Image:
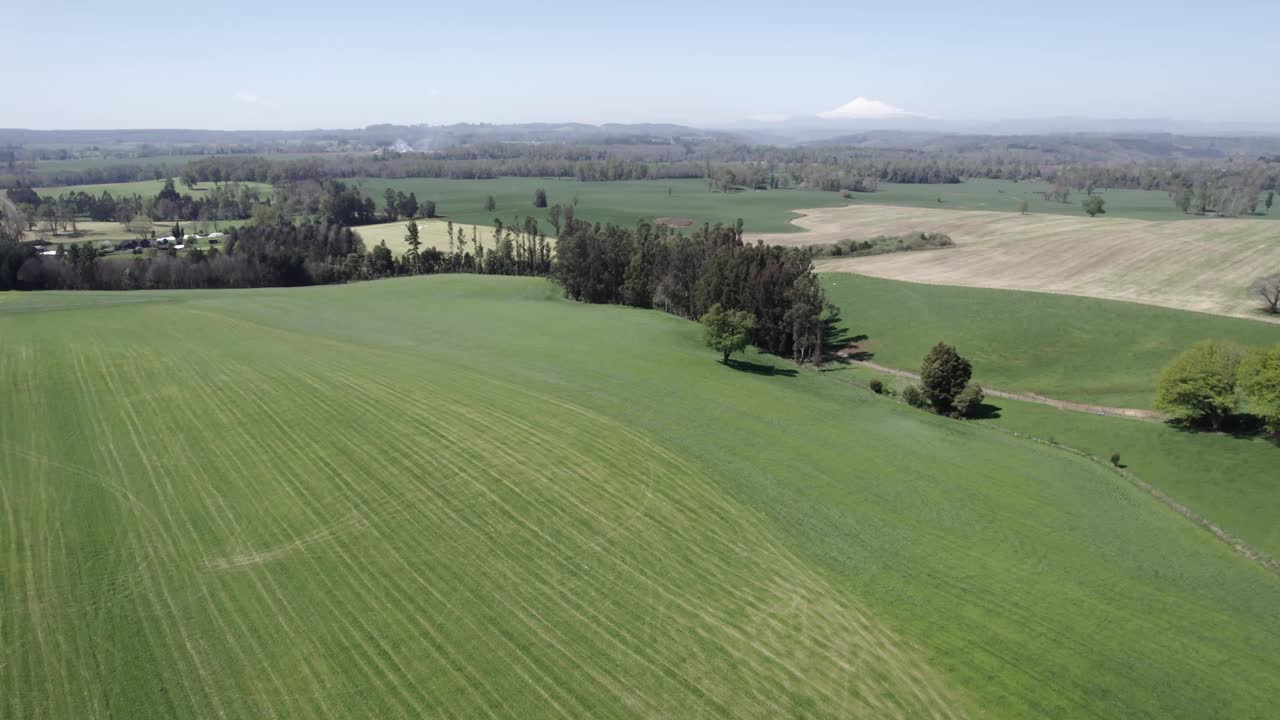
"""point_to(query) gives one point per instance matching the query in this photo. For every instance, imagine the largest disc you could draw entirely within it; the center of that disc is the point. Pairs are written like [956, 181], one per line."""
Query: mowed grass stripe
[412, 505]
[181, 464]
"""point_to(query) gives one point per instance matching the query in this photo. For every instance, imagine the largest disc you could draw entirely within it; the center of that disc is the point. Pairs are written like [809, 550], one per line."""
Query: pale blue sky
[293, 64]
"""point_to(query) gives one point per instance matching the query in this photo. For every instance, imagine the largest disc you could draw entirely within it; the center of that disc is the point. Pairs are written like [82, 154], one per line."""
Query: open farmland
[620, 203]
[1069, 348]
[463, 496]
[1202, 265]
[1008, 195]
[432, 233]
[145, 188]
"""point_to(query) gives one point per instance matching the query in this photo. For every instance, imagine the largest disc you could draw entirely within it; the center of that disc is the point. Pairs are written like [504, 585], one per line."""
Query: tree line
[687, 275]
[49, 214]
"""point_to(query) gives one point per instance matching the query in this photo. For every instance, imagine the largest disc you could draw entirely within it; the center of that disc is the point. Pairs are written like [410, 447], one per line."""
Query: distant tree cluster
[945, 385]
[51, 215]
[884, 244]
[690, 275]
[1207, 383]
[944, 382]
[269, 252]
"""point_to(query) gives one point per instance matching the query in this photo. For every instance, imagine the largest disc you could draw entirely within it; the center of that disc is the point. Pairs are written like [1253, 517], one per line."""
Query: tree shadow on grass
[1243, 426]
[760, 368]
[987, 411]
[841, 346]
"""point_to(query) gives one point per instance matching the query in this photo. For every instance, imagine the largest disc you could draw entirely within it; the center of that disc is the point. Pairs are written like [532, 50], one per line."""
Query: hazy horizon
[242, 66]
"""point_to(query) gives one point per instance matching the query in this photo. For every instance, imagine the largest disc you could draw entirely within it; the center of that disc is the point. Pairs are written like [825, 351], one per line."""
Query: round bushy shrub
[876, 386]
[913, 396]
[969, 402]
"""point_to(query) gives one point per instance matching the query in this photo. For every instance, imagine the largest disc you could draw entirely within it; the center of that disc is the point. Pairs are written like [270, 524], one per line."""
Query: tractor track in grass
[1130, 413]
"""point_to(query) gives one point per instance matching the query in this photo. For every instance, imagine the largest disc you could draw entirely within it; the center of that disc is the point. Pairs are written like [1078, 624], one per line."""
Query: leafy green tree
[539, 198]
[408, 205]
[1200, 383]
[1271, 198]
[969, 401]
[429, 209]
[913, 397]
[489, 203]
[1182, 199]
[391, 203]
[553, 217]
[726, 331]
[1024, 207]
[411, 238]
[1259, 378]
[189, 179]
[1093, 205]
[943, 376]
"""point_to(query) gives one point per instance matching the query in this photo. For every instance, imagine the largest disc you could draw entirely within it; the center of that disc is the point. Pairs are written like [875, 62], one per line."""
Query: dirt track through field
[1203, 265]
[1131, 413]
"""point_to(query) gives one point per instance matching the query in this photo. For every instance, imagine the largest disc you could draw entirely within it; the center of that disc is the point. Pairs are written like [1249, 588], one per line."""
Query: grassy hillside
[622, 203]
[1007, 196]
[1229, 480]
[463, 496]
[1071, 348]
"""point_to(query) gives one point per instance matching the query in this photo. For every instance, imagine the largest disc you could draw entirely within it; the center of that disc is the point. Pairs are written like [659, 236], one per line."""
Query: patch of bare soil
[1197, 264]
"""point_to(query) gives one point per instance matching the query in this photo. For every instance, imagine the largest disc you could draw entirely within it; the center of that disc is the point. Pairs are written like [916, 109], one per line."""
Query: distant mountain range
[815, 129]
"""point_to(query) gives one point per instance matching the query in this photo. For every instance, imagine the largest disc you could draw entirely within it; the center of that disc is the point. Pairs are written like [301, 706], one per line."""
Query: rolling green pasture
[1072, 348]
[1230, 480]
[466, 497]
[145, 188]
[621, 203]
[1007, 195]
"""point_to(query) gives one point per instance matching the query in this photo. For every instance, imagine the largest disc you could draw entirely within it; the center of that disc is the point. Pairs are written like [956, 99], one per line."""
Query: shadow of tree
[760, 369]
[837, 339]
[987, 411]
[1243, 426]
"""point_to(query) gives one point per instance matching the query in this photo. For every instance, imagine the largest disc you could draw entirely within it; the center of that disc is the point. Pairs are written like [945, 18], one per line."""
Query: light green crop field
[1007, 196]
[145, 188]
[1070, 348]
[621, 203]
[467, 497]
[432, 233]
[1230, 480]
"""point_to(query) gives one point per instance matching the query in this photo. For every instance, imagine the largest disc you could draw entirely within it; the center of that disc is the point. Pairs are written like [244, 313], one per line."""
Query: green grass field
[464, 496]
[622, 203]
[1065, 347]
[1007, 195]
[145, 188]
[1228, 479]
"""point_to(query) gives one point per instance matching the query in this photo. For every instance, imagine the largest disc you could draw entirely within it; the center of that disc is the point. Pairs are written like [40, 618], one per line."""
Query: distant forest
[855, 162]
